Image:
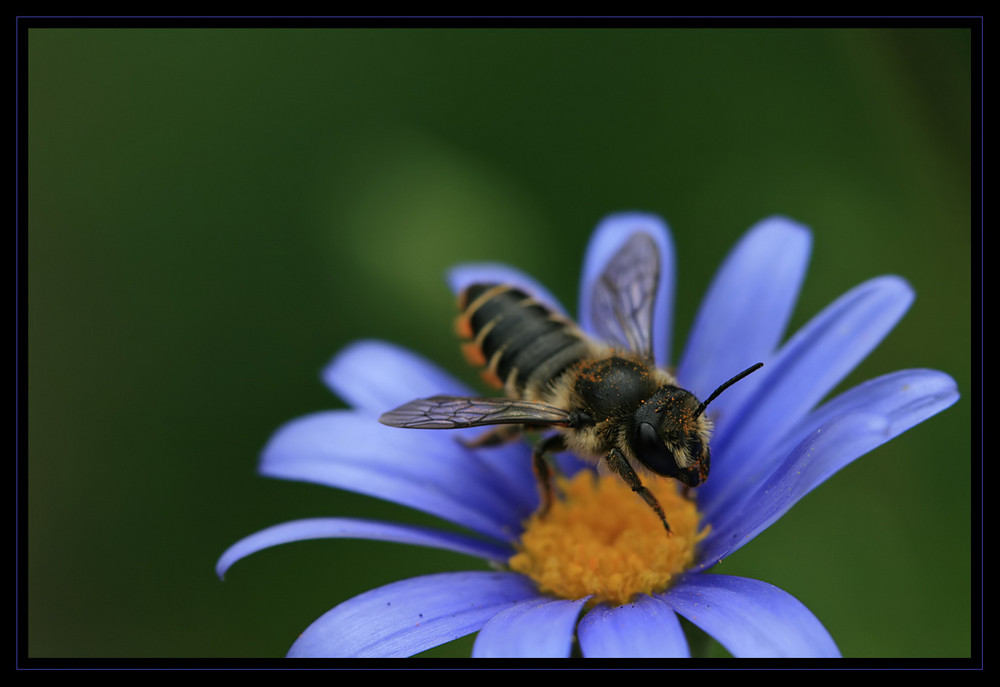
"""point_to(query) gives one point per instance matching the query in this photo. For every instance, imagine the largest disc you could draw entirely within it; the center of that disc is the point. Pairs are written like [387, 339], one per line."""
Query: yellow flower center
[601, 539]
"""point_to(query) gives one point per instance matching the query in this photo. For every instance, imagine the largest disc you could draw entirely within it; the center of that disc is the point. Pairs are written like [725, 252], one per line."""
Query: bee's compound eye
[653, 452]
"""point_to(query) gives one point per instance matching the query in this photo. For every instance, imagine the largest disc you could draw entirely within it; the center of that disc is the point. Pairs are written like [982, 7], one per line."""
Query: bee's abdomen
[521, 343]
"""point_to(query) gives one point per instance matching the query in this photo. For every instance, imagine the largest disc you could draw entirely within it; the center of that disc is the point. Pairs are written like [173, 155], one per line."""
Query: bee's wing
[624, 296]
[455, 412]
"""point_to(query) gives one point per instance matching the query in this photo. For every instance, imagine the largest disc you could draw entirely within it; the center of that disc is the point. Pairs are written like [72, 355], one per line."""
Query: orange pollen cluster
[601, 540]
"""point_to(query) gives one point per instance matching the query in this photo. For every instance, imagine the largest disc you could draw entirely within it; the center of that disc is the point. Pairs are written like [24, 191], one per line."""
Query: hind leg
[501, 434]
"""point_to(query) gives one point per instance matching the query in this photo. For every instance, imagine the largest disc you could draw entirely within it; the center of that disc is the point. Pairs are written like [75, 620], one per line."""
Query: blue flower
[773, 443]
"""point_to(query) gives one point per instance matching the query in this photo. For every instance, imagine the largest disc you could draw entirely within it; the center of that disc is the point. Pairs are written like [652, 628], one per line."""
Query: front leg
[540, 456]
[621, 467]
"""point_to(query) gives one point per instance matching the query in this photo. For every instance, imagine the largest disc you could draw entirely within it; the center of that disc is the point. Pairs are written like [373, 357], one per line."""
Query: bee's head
[671, 432]
[670, 436]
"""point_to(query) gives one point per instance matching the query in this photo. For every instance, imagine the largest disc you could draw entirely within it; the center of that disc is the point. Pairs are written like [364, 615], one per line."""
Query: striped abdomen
[522, 345]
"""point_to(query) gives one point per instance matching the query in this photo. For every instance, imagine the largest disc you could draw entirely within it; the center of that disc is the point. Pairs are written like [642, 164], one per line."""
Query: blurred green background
[213, 213]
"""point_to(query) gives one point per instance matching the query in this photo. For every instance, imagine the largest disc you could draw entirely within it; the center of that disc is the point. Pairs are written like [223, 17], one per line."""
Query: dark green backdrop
[213, 213]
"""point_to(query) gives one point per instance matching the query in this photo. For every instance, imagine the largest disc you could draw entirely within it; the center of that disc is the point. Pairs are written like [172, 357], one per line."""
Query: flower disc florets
[601, 540]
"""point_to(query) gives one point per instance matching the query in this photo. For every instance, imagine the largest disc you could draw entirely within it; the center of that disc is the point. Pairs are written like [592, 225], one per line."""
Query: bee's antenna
[715, 394]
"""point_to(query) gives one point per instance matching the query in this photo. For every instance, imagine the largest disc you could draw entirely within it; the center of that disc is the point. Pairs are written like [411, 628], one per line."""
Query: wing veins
[622, 309]
[456, 412]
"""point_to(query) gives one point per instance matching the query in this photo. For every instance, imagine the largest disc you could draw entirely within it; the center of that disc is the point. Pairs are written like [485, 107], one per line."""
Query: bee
[605, 398]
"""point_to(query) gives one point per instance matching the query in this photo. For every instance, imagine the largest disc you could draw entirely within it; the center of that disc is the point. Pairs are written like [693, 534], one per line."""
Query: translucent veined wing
[455, 412]
[624, 296]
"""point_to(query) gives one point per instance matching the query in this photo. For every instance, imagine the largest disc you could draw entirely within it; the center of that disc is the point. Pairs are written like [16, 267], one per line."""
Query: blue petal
[462, 276]
[607, 239]
[645, 628]
[904, 399]
[375, 376]
[744, 315]
[426, 470]
[404, 618]
[351, 528]
[538, 627]
[751, 619]
[815, 459]
[836, 434]
[804, 370]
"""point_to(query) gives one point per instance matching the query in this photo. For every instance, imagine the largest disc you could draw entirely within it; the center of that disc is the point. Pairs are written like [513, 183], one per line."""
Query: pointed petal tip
[782, 223]
[615, 228]
[892, 293]
[785, 233]
[629, 220]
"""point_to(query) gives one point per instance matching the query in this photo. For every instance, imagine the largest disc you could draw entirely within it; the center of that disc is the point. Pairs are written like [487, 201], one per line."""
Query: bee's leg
[543, 472]
[621, 467]
[500, 434]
